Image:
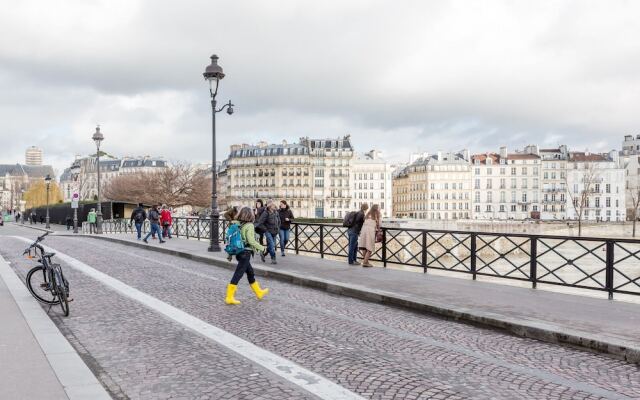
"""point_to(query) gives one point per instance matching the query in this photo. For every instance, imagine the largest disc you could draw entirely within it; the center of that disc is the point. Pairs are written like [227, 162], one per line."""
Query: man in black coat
[354, 232]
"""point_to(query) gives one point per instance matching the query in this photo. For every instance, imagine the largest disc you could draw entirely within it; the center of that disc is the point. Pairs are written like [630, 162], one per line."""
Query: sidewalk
[606, 326]
[36, 360]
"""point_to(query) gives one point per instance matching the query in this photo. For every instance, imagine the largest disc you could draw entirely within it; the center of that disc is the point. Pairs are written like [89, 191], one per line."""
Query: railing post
[321, 242]
[198, 230]
[609, 268]
[384, 247]
[533, 263]
[473, 255]
[295, 240]
[187, 227]
[424, 252]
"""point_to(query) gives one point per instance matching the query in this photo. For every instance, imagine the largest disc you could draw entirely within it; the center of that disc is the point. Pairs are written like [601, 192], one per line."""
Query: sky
[398, 76]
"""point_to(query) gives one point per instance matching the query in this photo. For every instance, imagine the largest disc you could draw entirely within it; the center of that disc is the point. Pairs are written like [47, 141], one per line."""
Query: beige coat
[367, 239]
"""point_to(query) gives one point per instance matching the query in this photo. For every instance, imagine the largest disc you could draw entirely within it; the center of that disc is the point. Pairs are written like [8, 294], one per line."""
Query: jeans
[139, 229]
[284, 239]
[353, 247]
[93, 226]
[244, 265]
[166, 231]
[271, 244]
[155, 229]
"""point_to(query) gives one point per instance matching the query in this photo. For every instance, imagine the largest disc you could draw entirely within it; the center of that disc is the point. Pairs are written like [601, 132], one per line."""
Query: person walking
[368, 234]
[154, 220]
[138, 215]
[246, 217]
[354, 232]
[166, 221]
[286, 216]
[69, 222]
[33, 218]
[269, 222]
[231, 215]
[257, 212]
[91, 219]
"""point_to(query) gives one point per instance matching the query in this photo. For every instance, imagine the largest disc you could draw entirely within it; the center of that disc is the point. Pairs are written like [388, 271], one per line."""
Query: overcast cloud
[400, 76]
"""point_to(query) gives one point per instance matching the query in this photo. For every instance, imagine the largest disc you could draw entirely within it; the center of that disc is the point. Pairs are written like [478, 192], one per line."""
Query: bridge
[447, 315]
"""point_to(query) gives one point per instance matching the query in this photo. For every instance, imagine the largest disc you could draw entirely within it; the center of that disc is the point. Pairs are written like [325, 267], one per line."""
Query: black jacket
[137, 210]
[357, 223]
[270, 221]
[285, 213]
[154, 216]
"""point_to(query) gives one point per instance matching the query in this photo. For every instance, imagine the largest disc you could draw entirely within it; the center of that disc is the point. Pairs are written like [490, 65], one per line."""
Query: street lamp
[213, 73]
[47, 182]
[75, 171]
[98, 137]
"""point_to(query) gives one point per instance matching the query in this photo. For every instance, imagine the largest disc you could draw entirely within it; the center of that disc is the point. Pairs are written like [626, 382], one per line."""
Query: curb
[538, 330]
[76, 379]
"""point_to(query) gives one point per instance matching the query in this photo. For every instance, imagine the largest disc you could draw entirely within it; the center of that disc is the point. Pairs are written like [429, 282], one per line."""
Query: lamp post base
[47, 226]
[215, 248]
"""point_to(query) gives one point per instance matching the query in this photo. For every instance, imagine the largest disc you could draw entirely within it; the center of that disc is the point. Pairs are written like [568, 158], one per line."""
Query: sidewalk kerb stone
[78, 381]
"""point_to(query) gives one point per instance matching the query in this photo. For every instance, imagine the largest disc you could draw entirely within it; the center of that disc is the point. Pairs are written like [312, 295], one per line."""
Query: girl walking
[286, 216]
[248, 235]
[370, 228]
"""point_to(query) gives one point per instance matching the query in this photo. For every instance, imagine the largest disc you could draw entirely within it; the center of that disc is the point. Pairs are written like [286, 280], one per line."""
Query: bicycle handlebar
[35, 244]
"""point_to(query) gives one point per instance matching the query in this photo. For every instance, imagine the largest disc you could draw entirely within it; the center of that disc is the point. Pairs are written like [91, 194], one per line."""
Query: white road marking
[292, 372]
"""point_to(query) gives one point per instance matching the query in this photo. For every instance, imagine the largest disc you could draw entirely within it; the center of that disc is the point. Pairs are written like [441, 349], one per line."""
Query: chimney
[439, 156]
[284, 142]
[503, 152]
[465, 155]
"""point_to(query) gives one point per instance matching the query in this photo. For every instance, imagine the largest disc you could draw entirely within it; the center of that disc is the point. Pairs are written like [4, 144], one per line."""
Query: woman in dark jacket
[286, 216]
[269, 223]
[257, 211]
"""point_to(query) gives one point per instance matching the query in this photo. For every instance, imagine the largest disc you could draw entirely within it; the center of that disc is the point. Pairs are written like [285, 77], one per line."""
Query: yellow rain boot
[231, 291]
[260, 293]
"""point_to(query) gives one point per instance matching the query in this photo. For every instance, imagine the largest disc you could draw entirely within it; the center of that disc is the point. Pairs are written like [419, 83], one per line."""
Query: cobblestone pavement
[373, 350]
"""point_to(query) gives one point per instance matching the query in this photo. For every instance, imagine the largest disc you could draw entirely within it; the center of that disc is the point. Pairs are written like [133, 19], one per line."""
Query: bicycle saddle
[48, 255]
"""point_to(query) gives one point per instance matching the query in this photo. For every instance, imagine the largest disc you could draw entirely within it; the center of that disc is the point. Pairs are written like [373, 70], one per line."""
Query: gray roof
[270, 150]
[32, 171]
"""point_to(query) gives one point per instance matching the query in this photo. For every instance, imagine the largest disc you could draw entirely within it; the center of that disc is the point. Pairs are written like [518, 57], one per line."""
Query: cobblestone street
[372, 350]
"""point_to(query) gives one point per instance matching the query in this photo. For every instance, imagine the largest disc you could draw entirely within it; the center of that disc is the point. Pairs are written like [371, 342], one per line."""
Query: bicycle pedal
[69, 300]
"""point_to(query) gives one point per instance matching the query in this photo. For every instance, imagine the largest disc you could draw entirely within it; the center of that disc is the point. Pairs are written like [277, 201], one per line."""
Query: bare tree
[580, 199]
[633, 190]
[177, 185]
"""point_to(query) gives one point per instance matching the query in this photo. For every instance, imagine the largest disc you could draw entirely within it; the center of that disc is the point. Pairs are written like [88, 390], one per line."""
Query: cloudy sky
[400, 76]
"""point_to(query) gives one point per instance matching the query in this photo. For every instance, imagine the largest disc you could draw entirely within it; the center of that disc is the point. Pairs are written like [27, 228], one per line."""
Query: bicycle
[46, 282]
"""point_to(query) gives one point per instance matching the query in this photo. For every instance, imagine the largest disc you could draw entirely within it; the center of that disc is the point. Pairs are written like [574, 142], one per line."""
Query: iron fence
[610, 265]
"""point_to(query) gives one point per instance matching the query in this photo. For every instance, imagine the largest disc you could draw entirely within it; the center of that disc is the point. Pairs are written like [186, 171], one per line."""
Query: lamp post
[75, 171]
[98, 137]
[213, 73]
[47, 182]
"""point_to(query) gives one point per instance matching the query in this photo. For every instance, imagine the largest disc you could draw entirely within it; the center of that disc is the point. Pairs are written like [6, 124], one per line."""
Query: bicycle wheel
[40, 285]
[61, 291]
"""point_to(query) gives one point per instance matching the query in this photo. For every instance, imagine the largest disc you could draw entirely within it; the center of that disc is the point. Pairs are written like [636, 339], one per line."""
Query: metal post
[533, 263]
[296, 242]
[214, 243]
[99, 206]
[75, 220]
[473, 255]
[609, 268]
[321, 242]
[186, 224]
[384, 247]
[424, 251]
[198, 228]
[47, 225]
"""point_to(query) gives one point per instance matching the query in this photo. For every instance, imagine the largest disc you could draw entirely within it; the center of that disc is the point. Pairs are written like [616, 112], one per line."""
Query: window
[607, 202]
[597, 201]
[607, 188]
[597, 189]
[513, 171]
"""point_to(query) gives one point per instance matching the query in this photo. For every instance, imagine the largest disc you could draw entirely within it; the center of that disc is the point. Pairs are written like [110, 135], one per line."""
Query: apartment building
[629, 159]
[602, 180]
[15, 180]
[371, 180]
[313, 175]
[554, 183]
[87, 181]
[435, 187]
[507, 185]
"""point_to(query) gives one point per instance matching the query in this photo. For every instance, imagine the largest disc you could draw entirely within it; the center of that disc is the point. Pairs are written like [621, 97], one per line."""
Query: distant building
[87, 182]
[434, 187]
[15, 180]
[371, 181]
[602, 178]
[33, 156]
[554, 183]
[630, 161]
[507, 185]
[312, 175]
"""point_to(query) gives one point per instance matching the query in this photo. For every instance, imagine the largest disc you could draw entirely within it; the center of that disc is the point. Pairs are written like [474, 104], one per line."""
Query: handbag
[379, 236]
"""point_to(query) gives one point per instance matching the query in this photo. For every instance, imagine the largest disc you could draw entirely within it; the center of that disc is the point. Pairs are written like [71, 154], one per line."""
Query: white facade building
[371, 182]
[33, 156]
[554, 183]
[602, 180]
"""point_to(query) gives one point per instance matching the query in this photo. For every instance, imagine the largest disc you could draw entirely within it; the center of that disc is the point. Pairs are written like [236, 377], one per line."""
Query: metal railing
[610, 265]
